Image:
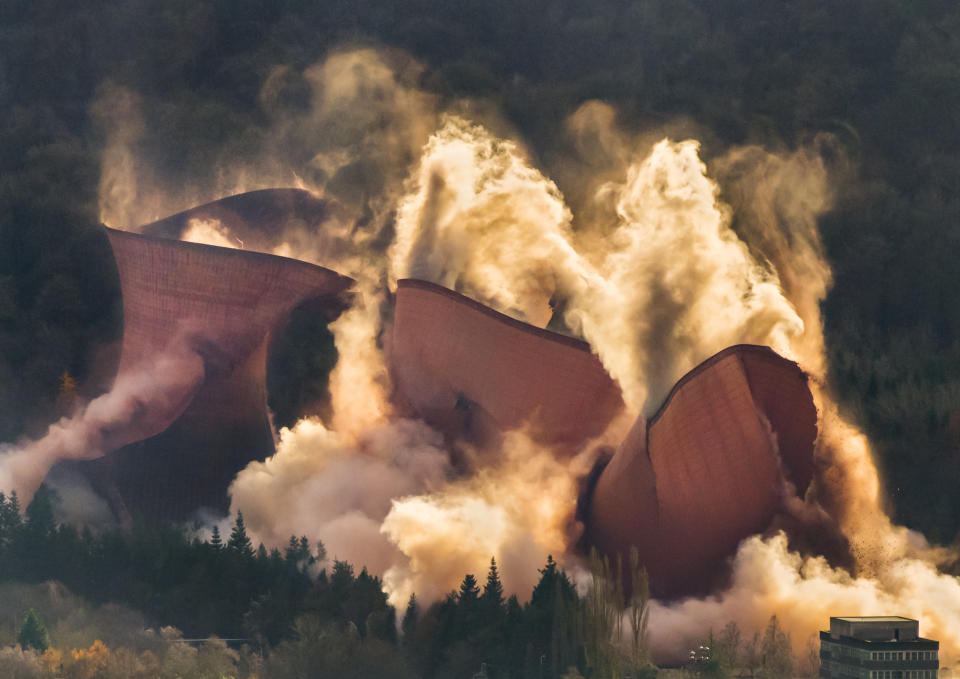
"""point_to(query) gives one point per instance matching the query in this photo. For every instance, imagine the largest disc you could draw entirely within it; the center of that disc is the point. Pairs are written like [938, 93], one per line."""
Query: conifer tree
[304, 551]
[215, 539]
[469, 592]
[491, 601]
[33, 633]
[410, 618]
[493, 590]
[239, 541]
[40, 522]
[293, 550]
[9, 517]
[14, 502]
[468, 607]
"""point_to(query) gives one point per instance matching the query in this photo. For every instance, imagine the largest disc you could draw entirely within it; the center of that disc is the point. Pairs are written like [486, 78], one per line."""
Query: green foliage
[408, 628]
[491, 601]
[215, 540]
[297, 623]
[239, 541]
[33, 633]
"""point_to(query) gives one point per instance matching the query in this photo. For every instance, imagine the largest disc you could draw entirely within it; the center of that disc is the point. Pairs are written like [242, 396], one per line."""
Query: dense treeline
[881, 76]
[307, 620]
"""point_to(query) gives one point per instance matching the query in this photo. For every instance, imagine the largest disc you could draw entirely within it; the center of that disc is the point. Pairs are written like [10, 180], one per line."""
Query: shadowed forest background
[881, 78]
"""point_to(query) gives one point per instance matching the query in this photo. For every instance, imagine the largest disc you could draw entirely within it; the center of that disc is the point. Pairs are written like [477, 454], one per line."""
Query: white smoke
[338, 488]
[209, 232]
[803, 592]
[161, 388]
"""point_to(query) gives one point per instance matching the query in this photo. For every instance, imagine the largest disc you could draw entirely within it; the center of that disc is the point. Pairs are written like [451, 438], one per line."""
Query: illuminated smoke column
[669, 287]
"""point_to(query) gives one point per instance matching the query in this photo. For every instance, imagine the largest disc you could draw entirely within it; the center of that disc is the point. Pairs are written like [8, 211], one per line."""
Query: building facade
[882, 647]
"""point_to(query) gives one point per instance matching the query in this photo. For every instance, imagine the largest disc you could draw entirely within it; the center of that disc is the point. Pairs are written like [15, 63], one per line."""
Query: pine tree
[468, 607]
[514, 632]
[215, 539]
[409, 624]
[33, 633]
[304, 552]
[239, 541]
[9, 518]
[321, 552]
[293, 551]
[491, 601]
[469, 592]
[40, 521]
[542, 595]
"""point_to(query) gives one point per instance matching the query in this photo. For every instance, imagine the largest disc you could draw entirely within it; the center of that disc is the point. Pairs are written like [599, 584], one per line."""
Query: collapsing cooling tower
[733, 441]
[714, 465]
[257, 220]
[222, 304]
[472, 372]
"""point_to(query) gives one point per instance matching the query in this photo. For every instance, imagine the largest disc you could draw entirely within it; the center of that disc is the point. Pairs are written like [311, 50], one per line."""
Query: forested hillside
[880, 77]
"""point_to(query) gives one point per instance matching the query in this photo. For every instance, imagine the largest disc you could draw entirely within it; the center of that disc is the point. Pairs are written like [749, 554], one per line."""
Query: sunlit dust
[668, 261]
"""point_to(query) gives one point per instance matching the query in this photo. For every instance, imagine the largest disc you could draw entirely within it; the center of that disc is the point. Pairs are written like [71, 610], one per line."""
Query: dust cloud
[666, 260]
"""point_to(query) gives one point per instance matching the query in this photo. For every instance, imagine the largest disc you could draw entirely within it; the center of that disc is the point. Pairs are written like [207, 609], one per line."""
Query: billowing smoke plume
[657, 268]
[110, 421]
[347, 128]
[481, 220]
[670, 286]
[338, 488]
[803, 592]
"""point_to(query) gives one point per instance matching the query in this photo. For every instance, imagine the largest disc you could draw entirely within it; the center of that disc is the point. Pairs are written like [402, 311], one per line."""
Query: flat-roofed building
[879, 647]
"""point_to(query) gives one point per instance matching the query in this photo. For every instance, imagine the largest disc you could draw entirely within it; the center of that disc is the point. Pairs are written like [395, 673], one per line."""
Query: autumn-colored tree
[68, 396]
[87, 663]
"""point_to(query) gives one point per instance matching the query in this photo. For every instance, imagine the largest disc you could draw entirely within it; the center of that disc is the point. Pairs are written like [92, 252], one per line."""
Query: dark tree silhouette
[239, 541]
[33, 633]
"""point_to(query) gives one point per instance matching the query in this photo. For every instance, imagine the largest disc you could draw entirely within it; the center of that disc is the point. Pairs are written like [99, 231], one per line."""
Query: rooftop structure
[880, 647]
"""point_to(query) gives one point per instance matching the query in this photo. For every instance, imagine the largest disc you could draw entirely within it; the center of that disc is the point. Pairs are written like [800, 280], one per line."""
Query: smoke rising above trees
[255, 95]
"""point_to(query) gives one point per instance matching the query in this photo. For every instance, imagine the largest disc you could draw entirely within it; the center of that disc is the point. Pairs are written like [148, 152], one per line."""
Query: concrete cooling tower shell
[256, 219]
[220, 305]
[471, 371]
[713, 466]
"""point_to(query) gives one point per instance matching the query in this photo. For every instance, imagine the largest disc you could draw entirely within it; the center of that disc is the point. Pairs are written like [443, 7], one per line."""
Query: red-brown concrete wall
[453, 359]
[707, 473]
[222, 304]
[258, 218]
